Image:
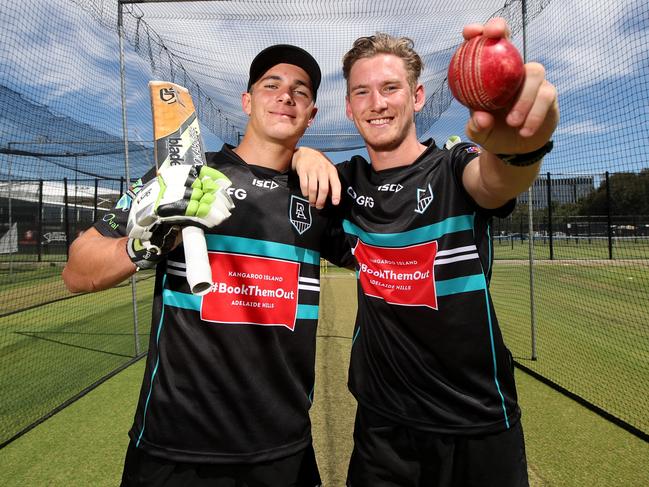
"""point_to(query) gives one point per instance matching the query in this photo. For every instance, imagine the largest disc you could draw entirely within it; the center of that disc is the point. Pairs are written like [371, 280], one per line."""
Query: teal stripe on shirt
[189, 301]
[458, 285]
[181, 300]
[412, 237]
[495, 364]
[261, 248]
[155, 368]
[307, 311]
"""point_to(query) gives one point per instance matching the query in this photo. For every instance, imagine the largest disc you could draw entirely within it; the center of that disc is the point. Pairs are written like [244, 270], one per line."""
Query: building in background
[564, 189]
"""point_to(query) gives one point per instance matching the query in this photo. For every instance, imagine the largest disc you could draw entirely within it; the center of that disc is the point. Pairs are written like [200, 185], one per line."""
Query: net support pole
[39, 237]
[122, 79]
[609, 223]
[11, 255]
[530, 221]
[94, 202]
[66, 218]
[550, 230]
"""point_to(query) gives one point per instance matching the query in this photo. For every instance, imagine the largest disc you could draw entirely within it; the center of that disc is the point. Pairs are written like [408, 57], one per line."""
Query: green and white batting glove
[183, 195]
[148, 246]
[193, 195]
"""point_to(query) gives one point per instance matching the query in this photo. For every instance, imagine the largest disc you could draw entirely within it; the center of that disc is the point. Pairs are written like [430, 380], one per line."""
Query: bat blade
[178, 141]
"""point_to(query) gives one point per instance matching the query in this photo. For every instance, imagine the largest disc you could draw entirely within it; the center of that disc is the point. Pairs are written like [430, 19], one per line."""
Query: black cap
[285, 53]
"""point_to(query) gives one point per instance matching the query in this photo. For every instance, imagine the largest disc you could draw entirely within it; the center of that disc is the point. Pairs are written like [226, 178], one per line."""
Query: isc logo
[361, 200]
[393, 188]
[263, 183]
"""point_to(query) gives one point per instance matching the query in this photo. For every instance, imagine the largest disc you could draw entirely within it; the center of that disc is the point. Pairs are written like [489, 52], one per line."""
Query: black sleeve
[459, 156]
[335, 246]
[113, 223]
[343, 208]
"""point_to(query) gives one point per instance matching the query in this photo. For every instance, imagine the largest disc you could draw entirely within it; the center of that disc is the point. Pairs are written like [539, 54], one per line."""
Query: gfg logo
[361, 200]
[237, 193]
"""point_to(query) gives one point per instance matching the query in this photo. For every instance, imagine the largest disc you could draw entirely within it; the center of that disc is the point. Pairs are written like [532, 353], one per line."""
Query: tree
[629, 195]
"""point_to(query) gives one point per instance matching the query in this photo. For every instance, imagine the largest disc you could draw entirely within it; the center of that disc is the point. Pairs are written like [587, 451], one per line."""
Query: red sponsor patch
[402, 276]
[251, 290]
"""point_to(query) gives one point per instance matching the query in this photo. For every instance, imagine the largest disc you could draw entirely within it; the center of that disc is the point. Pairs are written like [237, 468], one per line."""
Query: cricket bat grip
[199, 271]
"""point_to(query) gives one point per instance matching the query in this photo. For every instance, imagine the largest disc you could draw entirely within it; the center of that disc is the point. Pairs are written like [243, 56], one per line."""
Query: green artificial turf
[84, 445]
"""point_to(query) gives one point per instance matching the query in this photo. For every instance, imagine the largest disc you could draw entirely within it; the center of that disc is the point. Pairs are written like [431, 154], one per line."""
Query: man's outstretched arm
[514, 140]
[158, 212]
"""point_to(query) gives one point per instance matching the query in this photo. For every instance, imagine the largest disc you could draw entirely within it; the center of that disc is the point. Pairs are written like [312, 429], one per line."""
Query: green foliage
[568, 209]
[629, 195]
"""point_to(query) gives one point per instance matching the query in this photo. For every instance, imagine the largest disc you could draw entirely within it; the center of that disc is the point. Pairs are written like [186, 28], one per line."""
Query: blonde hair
[382, 43]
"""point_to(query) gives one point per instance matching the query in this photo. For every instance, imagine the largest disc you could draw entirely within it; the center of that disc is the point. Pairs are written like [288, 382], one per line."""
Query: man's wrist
[527, 159]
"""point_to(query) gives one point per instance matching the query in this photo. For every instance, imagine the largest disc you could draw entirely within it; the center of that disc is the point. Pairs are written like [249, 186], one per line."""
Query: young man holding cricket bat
[230, 374]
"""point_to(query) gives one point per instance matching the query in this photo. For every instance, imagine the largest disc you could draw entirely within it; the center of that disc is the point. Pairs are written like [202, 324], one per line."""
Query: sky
[595, 52]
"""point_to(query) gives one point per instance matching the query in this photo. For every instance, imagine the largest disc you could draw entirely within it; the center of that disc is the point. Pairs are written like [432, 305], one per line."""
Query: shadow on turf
[38, 336]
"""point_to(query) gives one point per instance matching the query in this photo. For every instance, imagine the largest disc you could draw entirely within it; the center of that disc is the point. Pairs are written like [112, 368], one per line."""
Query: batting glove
[193, 195]
[148, 246]
[183, 195]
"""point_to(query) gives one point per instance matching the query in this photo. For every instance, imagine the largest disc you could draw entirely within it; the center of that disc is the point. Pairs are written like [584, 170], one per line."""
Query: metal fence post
[550, 231]
[94, 204]
[530, 208]
[122, 75]
[608, 217]
[66, 218]
[39, 229]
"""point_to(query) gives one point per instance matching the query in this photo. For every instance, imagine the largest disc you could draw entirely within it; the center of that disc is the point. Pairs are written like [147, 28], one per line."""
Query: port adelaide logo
[300, 214]
[424, 199]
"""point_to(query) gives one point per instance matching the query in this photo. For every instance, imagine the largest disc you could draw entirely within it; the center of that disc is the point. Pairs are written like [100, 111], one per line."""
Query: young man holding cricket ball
[434, 381]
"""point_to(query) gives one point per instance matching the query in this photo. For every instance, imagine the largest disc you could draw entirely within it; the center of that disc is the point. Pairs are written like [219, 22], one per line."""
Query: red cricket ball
[485, 73]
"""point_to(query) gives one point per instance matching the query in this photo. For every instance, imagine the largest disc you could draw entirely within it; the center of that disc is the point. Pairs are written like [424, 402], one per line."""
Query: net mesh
[213, 62]
[63, 164]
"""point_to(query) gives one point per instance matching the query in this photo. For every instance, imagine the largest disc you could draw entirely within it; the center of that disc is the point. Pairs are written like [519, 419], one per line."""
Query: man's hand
[148, 246]
[193, 195]
[531, 119]
[318, 176]
[182, 195]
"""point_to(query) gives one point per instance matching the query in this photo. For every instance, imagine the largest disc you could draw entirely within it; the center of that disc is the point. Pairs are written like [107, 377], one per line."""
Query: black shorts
[387, 454]
[144, 470]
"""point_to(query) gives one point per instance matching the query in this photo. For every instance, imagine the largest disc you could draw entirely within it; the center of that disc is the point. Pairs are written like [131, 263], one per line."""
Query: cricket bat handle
[199, 271]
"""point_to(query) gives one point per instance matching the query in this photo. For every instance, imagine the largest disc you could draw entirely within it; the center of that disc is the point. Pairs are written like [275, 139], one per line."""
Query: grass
[567, 445]
[83, 445]
[591, 339]
[591, 330]
[579, 248]
[19, 276]
[30, 284]
[50, 353]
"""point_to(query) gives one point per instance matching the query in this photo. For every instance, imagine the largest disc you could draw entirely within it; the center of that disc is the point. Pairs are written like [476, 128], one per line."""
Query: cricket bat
[178, 141]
